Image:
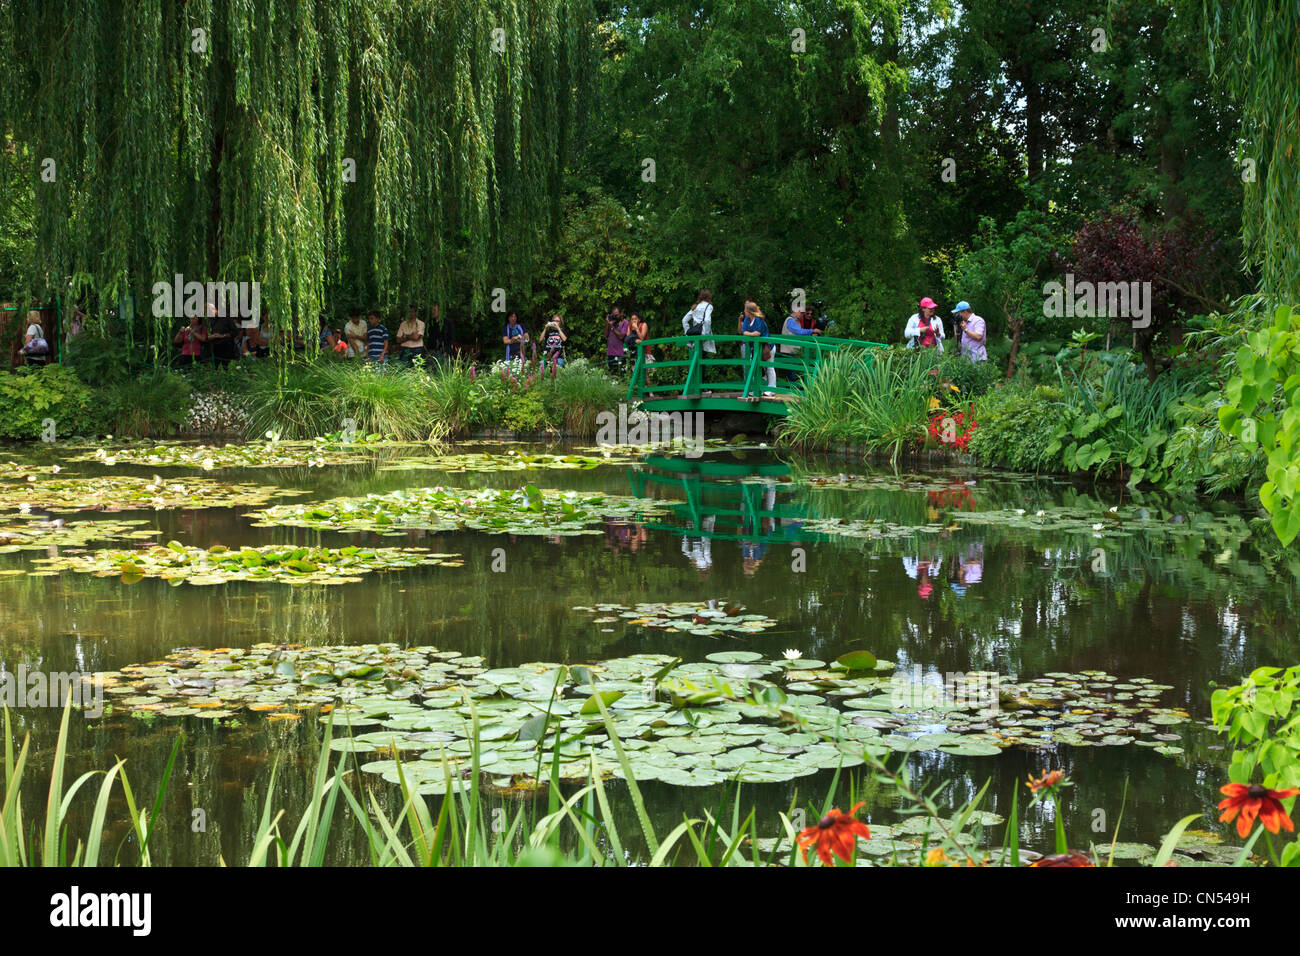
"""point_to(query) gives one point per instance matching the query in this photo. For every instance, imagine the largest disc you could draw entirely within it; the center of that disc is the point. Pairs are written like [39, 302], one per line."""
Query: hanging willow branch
[1255, 53]
[217, 139]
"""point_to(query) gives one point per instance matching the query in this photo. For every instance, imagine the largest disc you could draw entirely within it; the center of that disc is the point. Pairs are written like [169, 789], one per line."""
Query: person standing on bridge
[794, 326]
[699, 320]
[754, 325]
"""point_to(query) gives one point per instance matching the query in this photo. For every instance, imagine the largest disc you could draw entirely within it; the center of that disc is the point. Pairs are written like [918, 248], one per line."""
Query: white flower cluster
[217, 412]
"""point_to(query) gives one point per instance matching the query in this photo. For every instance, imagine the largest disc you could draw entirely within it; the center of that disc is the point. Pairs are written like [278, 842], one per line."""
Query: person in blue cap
[974, 332]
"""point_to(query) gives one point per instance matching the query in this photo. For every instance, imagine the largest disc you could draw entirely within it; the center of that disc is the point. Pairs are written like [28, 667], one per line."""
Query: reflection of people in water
[922, 570]
[968, 569]
[624, 535]
[753, 552]
[699, 551]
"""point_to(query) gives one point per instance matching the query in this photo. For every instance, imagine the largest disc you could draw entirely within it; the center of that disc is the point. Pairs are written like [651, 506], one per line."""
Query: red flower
[837, 833]
[1069, 858]
[1253, 800]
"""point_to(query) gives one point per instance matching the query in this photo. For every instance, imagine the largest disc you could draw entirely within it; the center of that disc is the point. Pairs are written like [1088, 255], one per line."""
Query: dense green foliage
[336, 151]
[1261, 410]
[1016, 424]
[49, 403]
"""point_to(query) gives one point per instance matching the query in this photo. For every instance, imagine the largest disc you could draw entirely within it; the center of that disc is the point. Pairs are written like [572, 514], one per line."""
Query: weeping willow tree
[336, 152]
[1255, 53]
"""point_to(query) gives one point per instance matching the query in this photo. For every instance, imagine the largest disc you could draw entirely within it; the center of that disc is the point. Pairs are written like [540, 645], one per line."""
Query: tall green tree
[748, 137]
[375, 148]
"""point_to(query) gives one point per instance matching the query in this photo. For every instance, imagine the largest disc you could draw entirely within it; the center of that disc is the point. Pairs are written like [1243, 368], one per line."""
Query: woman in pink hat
[925, 327]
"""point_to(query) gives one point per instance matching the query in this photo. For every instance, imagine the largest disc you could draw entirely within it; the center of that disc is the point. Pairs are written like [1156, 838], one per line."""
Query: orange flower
[1253, 800]
[1046, 780]
[936, 857]
[837, 833]
[1070, 858]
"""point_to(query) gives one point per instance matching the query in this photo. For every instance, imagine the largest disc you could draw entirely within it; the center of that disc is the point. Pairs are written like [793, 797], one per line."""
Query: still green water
[1182, 610]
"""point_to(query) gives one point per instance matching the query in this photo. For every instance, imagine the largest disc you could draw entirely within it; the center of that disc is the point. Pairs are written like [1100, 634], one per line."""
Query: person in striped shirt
[376, 340]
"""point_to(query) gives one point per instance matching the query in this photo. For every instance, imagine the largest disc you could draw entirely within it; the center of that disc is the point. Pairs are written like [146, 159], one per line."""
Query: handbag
[38, 345]
[696, 326]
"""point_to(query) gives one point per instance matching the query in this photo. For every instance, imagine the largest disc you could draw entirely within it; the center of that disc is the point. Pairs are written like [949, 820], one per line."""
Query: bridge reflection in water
[725, 498]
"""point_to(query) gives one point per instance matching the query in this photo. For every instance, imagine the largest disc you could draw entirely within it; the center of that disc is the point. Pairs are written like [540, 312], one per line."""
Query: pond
[1007, 578]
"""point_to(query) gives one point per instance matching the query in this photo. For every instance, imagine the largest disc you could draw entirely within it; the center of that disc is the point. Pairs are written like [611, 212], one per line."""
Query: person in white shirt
[925, 327]
[701, 314]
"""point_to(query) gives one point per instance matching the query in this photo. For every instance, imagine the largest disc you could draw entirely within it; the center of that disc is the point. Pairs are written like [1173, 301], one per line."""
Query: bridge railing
[716, 371]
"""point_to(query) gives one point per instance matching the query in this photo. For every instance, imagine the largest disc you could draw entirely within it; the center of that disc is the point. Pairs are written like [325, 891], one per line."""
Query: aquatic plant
[220, 565]
[122, 492]
[528, 510]
[28, 532]
[702, 618]
[734, 715]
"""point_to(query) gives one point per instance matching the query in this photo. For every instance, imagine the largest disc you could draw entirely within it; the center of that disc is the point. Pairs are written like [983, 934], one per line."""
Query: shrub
[32, 395]
[1016, 425]
[304, 400]
[454, 397]
[578, 394]
[525, 412]
[972, 379]
[1116, 422]
[218, 412]
[150, 405]
[880, 398]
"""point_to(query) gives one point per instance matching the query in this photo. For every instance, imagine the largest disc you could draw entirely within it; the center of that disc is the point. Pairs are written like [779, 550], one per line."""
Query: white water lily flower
[790, 654]
[1097, 526]
[25, 508]
[1114, 509]
[1021, 511]
[55, 469]
[1039, 513]
[110, 461]
[100, 453]
[208, 464]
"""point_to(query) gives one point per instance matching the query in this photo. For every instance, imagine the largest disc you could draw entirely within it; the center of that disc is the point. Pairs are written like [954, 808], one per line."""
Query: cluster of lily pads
[512, 460]
[871, 529]
[882, 482]
[734, 715]
[28, 532]
[252, 454]
[528, 510]
[1114, 522]
[218, 565]
[123, 492]
[332, 450]
[702, 618]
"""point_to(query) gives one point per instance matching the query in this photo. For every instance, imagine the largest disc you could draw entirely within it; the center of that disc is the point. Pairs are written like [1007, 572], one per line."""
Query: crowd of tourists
[367, 337]
[221, 339]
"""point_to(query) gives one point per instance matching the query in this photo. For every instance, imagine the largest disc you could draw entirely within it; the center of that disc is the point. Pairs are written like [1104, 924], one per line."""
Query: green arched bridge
[724, 380]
